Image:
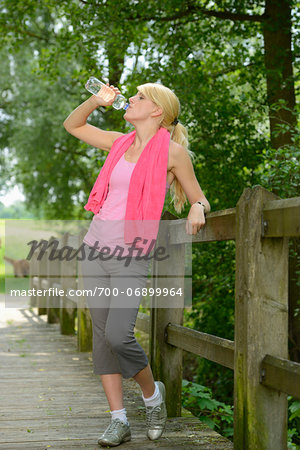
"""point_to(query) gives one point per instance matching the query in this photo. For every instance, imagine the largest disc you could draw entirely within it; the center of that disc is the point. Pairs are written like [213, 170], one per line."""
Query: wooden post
[34, 277]
[38, 274]
[85, 330]
[53, 272]
[42, 284]
[68, 280]
[261, 326]
[166, 360]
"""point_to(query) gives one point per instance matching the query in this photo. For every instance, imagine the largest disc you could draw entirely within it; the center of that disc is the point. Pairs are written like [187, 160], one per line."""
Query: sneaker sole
[106, 444]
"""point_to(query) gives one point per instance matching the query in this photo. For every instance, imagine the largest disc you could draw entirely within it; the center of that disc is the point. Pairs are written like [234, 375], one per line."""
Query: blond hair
[169, 103]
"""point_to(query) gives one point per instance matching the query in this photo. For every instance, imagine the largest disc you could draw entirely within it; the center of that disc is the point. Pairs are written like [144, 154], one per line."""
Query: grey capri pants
[114, 304]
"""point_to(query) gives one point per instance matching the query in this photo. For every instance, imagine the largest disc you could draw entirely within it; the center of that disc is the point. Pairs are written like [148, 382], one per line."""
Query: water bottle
[93, 85]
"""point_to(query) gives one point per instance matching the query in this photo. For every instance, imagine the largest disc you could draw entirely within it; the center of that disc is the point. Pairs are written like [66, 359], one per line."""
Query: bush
[198, 400]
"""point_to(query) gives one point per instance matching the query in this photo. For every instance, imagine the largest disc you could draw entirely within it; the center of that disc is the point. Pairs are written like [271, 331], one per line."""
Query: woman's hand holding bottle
[76, 123]
[106, 95]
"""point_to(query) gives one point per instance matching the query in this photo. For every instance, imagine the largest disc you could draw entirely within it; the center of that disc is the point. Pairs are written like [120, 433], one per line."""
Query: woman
[157, 149]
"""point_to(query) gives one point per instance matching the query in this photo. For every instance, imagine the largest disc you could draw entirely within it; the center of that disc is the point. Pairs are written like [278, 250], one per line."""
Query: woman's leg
[105, 361]
[146, 381]
[127, 283]
[112, 385]
[106, 364]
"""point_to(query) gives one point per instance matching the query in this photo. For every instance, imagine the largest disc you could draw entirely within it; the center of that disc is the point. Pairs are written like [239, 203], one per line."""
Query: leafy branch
[194, 9]
[26, 32]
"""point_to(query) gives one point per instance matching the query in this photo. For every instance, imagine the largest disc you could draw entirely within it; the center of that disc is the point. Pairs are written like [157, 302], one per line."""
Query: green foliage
[280, 168]
[55, 46]
[294, 423]
[217, 415]
[212, 310]
[16, 211]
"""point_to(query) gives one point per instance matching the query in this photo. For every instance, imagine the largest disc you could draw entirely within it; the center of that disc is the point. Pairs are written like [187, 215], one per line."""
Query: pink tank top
[107, 227]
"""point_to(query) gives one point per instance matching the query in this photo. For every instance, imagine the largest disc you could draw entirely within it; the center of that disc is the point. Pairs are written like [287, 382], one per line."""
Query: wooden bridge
[263, 376]
[50, 397]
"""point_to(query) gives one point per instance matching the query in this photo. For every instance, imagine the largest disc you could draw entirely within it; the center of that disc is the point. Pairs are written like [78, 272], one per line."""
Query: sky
[12, 196]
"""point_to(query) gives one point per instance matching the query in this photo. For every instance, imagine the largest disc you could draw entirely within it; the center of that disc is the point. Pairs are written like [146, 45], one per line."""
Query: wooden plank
[185, 432]
[210, 347]
[261, 324]
[281, 374]
[220, 226]
[143, 322]
[282, 218]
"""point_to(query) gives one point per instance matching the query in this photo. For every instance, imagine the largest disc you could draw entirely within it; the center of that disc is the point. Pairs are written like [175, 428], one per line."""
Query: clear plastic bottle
[93, 85]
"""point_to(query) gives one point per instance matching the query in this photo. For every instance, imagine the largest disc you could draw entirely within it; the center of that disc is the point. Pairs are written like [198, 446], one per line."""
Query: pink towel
[147, 187]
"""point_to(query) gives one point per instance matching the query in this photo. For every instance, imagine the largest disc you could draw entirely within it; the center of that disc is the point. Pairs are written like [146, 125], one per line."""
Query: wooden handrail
[276, 373]
[220, 226]
[281, 374]
[282, 218]
[211, 347]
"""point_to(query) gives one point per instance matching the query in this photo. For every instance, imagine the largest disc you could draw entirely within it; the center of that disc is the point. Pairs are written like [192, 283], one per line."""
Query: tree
[276, 29]
[230, 62]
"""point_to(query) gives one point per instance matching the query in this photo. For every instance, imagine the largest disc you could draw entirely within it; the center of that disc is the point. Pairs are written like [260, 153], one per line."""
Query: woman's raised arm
[76, 124]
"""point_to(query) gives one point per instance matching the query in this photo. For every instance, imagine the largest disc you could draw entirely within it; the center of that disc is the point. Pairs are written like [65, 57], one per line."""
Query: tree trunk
[116, 60]
[280, 86]
[279, 69]
[116, 57]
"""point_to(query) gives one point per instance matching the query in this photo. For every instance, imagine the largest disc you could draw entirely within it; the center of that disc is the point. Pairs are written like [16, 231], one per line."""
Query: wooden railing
[261, 225]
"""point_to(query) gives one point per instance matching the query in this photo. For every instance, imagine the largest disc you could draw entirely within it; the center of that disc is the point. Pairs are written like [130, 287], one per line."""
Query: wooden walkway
[50, 398]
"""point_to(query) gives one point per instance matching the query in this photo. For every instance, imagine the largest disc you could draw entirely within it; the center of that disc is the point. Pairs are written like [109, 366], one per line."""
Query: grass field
[19, 233]
[5, 269]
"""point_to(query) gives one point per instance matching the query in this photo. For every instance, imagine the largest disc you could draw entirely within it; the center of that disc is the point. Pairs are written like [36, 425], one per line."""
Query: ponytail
[179, 135]
[168, 101]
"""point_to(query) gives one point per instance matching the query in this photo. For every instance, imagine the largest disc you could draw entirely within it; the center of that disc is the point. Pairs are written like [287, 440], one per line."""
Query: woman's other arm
[76, 124]
[184, 171]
